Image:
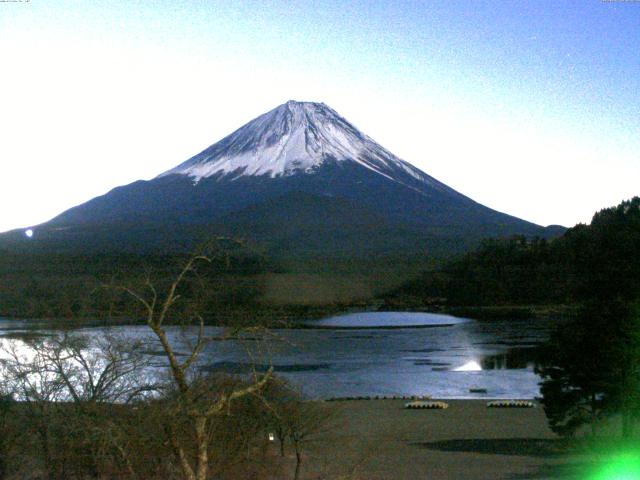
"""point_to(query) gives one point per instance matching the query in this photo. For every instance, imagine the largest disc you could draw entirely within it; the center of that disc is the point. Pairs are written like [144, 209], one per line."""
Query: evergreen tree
[592, 364]
[587, 367]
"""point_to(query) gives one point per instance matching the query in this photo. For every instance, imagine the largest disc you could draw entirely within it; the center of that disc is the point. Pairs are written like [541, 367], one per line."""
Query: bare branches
[200, 343]
[74, 386]
[150, 307]
[171, 297]
[225, 399]
[194, 400]
[69, 367]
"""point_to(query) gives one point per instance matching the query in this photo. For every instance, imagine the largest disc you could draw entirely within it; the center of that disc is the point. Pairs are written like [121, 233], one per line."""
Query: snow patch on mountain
[296, 137]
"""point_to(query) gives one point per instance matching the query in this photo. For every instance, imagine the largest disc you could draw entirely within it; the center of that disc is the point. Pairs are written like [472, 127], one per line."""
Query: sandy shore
[379, 439]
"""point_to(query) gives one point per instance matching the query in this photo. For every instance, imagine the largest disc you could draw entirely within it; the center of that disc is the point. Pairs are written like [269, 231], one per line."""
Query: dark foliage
[588, 261]
[591, 366]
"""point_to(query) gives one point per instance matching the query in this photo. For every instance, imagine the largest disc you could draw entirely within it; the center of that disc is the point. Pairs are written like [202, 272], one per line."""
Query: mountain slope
[299, 180]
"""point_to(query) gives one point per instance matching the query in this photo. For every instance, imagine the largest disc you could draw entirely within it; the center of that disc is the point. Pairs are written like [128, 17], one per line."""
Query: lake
[375, 353]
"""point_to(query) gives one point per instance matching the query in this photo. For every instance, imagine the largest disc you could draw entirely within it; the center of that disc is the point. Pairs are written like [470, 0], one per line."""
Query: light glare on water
[471, 366]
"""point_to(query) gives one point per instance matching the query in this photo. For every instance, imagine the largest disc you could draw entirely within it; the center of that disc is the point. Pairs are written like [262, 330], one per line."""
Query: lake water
[385, 353]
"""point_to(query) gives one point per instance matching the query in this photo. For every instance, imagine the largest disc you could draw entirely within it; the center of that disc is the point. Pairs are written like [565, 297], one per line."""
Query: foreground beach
[379, 439]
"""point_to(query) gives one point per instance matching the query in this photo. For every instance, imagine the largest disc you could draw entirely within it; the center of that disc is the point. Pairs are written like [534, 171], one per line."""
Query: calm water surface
[352, 356]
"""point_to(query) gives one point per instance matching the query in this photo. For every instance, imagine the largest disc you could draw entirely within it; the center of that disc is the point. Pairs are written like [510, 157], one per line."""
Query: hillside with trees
[598, 259]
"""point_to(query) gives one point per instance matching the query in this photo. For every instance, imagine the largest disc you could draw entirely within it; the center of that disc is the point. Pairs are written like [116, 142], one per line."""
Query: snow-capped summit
[296, 137]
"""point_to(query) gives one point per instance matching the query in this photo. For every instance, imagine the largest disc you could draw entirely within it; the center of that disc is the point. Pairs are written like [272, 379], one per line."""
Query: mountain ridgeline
[298, 182]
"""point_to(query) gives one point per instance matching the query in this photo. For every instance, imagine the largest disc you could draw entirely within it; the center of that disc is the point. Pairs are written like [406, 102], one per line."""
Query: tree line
[594, 259]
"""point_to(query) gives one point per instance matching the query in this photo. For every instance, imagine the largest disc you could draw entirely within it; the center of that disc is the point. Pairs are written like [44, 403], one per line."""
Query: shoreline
[479, 314]
[300, 316]
[381, 440]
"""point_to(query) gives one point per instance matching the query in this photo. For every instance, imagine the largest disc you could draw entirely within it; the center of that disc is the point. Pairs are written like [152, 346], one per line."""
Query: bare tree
[194, 399]
[107, 369]
[69, 384]
[26, 374]
[296, 420]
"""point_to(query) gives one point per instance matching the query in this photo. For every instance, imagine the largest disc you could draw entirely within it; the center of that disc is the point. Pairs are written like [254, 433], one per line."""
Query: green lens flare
[624, 466]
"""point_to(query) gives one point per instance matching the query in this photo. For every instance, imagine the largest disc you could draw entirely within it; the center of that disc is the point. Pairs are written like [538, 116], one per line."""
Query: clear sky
[531, 108]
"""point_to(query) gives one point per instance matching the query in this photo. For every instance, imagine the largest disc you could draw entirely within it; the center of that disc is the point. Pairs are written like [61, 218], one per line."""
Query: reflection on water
[471, 366]
[446, 362]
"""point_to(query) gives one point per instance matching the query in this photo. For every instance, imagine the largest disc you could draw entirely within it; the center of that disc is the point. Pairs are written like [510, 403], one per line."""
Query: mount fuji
[300, 181]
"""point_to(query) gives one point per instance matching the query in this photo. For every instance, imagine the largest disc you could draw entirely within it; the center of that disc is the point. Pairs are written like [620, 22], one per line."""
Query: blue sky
[531, 108]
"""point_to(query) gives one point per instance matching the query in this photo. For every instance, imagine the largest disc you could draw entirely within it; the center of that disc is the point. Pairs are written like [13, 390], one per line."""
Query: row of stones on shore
[419, 404]
[422, 402]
